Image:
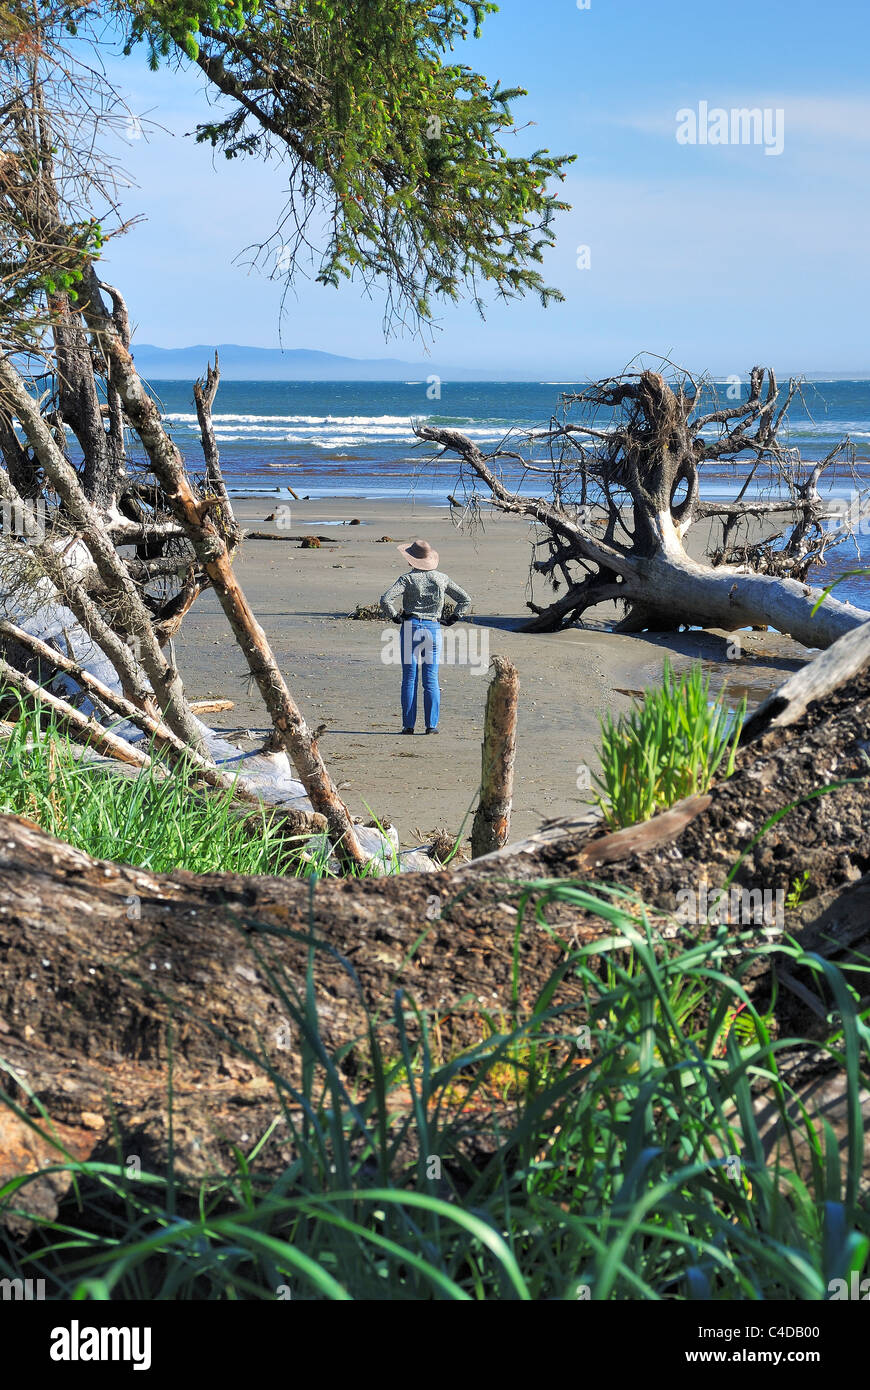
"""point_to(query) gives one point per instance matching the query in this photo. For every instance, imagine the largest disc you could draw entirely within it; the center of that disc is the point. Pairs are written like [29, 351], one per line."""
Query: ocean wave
[226, 435]
[386, 423]
[324, 439]
[301, 433]
[187, 418]
[252, 432]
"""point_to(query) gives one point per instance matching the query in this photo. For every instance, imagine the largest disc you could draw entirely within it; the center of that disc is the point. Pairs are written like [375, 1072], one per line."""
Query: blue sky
[715, 255]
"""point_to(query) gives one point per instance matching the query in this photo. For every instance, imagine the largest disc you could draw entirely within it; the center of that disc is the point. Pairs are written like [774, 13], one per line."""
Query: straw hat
[419, 554]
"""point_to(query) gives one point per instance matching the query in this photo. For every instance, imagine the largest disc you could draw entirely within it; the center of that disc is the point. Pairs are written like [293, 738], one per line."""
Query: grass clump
[673, 743]
[153, 820]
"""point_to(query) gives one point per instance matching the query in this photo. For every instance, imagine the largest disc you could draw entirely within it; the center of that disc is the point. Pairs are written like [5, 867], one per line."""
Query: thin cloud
[823, 117]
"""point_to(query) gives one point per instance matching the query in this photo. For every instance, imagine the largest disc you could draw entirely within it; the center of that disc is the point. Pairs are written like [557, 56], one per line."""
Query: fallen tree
[625, 489]
[105, 967]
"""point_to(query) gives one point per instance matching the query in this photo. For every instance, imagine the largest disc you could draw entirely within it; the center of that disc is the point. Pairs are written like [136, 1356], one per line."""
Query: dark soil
[106, 970]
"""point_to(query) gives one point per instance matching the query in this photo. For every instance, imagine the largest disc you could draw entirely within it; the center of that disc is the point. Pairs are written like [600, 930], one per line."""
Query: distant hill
[240, 363]
[291, 364]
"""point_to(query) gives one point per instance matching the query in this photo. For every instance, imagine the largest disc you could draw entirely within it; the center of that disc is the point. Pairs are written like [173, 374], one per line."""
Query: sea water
[327, 439]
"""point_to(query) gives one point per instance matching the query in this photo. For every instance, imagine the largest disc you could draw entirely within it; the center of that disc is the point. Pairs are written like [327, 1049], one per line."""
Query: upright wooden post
[492, 819]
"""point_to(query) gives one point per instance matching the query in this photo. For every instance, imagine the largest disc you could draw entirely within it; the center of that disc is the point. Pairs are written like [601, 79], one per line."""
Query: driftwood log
[104, 967]
[492, 819]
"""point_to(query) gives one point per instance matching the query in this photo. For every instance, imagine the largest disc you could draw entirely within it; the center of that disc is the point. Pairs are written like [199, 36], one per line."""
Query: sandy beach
[336, 671]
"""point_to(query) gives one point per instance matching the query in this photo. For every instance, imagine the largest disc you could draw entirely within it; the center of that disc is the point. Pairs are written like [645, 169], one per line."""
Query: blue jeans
[422, 646]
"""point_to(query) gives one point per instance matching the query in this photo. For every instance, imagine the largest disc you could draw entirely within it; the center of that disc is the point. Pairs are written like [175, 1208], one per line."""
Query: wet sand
[336, 671]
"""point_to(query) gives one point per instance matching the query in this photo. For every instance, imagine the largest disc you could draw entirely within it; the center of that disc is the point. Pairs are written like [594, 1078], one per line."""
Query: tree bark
[79, 404]
[22, 472]
[204, 393]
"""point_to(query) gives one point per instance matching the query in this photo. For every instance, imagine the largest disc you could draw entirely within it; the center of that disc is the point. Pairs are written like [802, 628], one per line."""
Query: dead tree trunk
[624, 497]
[204, 392]
[492, 820]
[79, 404]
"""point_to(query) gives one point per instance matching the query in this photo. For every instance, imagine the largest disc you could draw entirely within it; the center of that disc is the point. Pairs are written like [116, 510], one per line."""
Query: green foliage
[83, 243]
[395, 157]
[162, 23]
[396, 149]
[629, 1165]
[672, 744]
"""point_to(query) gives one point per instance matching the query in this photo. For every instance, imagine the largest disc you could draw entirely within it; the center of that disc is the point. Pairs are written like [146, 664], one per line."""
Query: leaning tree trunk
[641, 467]
[194, 515]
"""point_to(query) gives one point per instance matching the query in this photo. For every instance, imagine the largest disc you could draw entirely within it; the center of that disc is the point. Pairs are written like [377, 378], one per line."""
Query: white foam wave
[324, 438]
[183, 418]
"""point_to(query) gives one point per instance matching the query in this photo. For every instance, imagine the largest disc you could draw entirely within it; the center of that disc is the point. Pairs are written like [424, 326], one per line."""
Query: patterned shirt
[421, 594]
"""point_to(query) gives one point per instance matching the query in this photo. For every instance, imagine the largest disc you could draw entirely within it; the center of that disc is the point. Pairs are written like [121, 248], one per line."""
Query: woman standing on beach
[416, 602]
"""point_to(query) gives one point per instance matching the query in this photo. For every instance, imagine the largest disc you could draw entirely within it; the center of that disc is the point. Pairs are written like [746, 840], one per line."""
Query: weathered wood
[606, 849]
[812, 682]
[492, 819]
[204, 393]
[164, 679]
[78, 402]
[652, 455]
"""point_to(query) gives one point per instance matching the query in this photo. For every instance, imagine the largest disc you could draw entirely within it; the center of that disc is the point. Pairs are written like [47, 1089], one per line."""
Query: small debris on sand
[367, 612]
[442, 846]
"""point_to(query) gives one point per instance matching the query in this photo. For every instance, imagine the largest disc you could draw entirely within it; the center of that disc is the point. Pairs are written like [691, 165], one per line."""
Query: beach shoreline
[340, 673]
